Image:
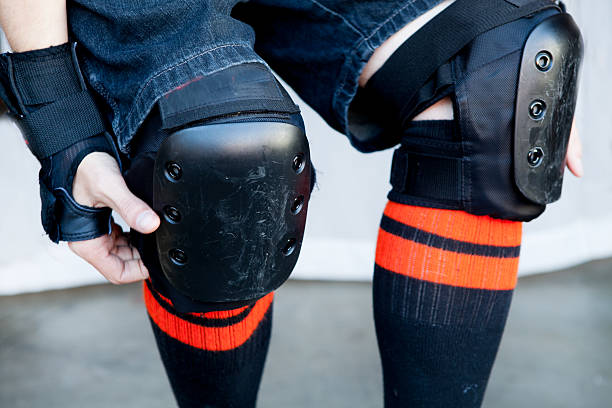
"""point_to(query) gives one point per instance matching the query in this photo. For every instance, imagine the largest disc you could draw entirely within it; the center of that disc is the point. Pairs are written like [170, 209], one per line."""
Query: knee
[231, 180]
[513, 88]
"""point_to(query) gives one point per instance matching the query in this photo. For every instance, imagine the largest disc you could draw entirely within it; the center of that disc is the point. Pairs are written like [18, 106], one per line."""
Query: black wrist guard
[46, 93]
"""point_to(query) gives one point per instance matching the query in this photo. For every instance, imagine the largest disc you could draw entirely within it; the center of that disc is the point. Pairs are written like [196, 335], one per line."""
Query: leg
[443, 282]
[449, 241]
[167, 72]
[435, 298]
[443, 278]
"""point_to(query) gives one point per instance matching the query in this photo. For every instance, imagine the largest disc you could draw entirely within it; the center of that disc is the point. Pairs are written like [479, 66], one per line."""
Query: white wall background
[346, 207]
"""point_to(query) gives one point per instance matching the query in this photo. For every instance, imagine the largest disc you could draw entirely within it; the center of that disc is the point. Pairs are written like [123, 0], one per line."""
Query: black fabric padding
[417, 60]
[58, 125]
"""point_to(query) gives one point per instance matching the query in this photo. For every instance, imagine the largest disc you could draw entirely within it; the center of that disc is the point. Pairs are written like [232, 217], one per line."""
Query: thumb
[132, 209]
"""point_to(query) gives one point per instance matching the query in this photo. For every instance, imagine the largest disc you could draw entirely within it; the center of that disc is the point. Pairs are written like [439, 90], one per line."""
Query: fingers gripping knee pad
[511, 68]
[232, 183]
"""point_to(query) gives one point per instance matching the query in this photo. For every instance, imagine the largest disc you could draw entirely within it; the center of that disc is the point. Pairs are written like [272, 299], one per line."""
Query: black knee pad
[230, 176]
[511, 69]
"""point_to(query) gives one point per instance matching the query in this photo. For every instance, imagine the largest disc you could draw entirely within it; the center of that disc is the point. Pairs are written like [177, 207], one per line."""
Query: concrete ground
[92, 347]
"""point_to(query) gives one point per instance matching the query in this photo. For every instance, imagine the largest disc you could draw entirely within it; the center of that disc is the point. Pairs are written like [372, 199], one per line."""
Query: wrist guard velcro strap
[45, 91]
[49, 97]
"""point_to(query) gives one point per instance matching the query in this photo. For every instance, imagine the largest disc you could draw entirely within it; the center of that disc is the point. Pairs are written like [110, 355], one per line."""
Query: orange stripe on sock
[458, 225]
[423, 262]
[208, 338]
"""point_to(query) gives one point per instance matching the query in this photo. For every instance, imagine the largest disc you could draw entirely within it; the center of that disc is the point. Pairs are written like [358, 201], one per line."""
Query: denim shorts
[135, 52]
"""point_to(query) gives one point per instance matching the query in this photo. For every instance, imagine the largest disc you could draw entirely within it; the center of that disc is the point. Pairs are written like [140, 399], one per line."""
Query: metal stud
[290, 246]
[543, 61]
[537, 109]
[297, 205]
[535, 156]
[172, 214]
[173, 171]
[298, 163]
[178, 256]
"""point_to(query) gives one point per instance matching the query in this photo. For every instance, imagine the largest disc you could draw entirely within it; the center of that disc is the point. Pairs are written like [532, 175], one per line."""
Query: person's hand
[98, 183]
[574, 153]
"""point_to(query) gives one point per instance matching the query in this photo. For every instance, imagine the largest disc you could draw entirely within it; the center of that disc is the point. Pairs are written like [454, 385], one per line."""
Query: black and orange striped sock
[443, 283]
[212, 359]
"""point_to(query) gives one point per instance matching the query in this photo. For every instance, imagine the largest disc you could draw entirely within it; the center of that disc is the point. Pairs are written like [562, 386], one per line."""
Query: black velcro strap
[49, 76]
[59, 125]
[450, 31]
[241, 88]
[426, 176]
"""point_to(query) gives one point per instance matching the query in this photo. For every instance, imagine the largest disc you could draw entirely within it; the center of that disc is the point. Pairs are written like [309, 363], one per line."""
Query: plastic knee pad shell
[233, 192]
[514, 92]
[234, 199]
[545, 103]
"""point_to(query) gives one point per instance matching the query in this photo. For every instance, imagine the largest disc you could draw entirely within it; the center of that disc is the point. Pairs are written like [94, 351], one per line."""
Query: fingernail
[146, 220]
